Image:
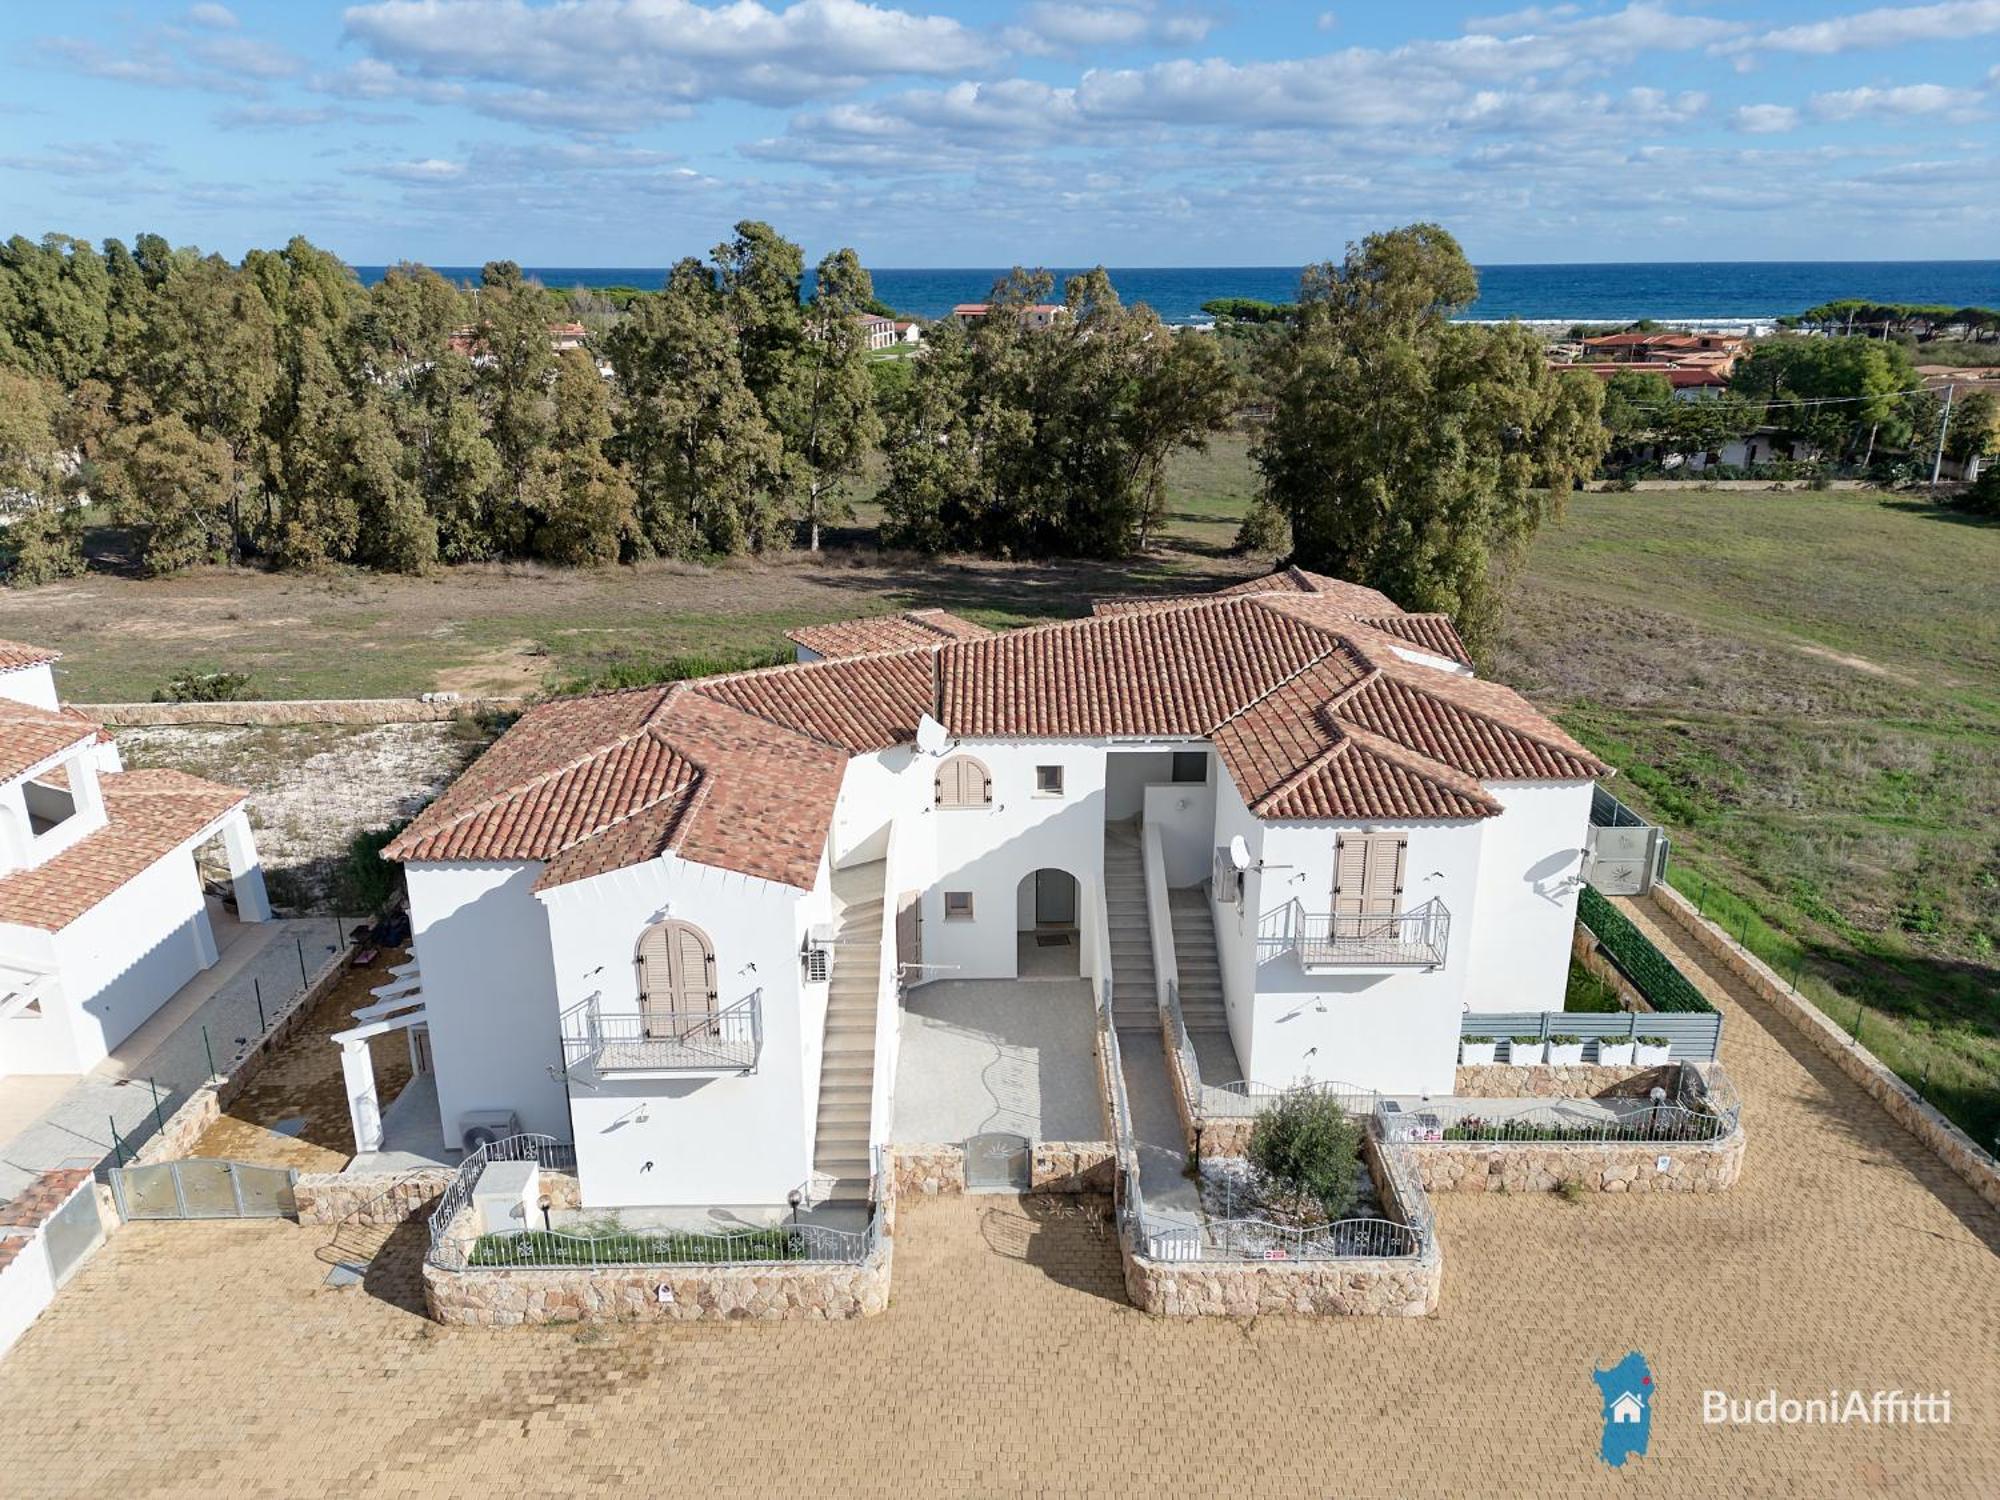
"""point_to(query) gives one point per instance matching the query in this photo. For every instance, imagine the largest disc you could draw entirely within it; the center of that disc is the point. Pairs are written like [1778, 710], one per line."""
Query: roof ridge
[772, 669]
[694, 787]
[1417, 763]
[1313, 767]
[1417, 685]
[1284, 682]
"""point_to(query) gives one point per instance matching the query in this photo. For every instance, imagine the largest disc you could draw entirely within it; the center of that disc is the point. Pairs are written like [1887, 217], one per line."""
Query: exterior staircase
[1202, 1008]
[842, 1167]
[1134, 993]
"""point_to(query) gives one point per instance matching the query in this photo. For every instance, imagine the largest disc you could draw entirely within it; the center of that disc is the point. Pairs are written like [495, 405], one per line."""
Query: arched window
[963, 782]
[676, 978]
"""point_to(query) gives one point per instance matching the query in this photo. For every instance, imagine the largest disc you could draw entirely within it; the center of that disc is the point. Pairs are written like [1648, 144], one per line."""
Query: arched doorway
[1046, 922]
[677, 990]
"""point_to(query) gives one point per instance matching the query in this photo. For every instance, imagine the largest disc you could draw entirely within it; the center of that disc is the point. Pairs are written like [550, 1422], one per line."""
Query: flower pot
[1520, 1053]
[1475, 1054]
[1648, 1056]
[1565, 1054]
[1614, 1054]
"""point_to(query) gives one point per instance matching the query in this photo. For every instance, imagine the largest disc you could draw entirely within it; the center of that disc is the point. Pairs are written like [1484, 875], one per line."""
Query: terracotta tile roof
[861, 703]
[149, 813]
[594, 784]
[1161, 672]
[14, 656]
[1301, 682]
[30, 735]
[913, 627]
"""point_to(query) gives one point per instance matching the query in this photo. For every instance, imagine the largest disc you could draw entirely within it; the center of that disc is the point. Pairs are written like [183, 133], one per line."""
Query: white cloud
[217, 17]
[1886, 26]
[210, 60]
[1764, 119]
[1910, 101]
[430, 169]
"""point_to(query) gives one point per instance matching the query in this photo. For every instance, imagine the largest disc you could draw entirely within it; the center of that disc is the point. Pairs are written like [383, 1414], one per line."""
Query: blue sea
[1671, 292]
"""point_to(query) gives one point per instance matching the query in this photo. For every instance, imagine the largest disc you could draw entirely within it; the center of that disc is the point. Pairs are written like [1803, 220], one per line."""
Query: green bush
[631, 672]
[366, 883]
[204, 687]
[1309, 1150]
[1663, 985]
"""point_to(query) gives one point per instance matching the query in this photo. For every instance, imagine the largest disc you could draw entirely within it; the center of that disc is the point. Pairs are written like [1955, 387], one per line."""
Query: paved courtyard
[212, 1359]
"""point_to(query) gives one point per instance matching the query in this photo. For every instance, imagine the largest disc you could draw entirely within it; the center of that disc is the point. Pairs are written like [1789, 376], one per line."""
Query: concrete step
[843, 1113]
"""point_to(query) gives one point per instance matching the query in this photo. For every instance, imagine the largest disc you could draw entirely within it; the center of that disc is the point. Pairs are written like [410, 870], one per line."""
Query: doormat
[1051, 940]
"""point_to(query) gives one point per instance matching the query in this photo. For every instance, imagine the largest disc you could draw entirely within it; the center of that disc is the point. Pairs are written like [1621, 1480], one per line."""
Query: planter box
[1565, 1054]
[1646, 1056]
[1522, 1053]
[1475, 1054]
[1614, 1054]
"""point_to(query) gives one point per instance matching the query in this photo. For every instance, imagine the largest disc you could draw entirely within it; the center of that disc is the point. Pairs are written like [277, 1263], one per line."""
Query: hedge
[1663, 985]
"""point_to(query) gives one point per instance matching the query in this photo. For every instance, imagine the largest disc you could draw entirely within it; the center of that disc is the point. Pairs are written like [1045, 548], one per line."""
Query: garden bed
[611, 1244]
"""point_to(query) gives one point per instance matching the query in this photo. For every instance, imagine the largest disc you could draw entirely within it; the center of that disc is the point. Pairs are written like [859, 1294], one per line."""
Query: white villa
[684, 926]
[102, 910]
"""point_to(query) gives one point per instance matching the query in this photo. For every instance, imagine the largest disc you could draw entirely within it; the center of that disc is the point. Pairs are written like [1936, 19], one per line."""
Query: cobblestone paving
[209, 1358]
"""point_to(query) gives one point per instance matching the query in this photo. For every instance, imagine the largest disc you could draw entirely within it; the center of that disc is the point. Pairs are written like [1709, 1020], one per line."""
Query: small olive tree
[1309, 1150]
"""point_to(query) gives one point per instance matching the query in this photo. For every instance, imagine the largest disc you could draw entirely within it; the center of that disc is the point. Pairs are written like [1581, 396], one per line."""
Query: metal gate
[996, 1163]
[204, 1188]
[72, 1232]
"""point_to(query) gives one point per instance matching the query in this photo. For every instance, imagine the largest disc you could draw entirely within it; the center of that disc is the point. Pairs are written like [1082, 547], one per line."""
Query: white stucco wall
[124, 958]
[34, 685]
[482, 941]
[738, 1140]
[1529, 866]
[1184, 813]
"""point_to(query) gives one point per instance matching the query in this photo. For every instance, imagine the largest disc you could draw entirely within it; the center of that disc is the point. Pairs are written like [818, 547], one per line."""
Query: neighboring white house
[102, 915]
[673, 924]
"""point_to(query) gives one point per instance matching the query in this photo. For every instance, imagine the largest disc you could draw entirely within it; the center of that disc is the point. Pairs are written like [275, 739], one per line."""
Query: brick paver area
[209, 1358]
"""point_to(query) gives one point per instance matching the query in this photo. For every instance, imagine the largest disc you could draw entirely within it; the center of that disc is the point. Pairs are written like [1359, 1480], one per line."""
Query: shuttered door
[1368, 875]
[676, 977]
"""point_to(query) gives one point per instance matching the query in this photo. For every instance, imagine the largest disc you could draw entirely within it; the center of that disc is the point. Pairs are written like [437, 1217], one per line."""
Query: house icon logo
[1625, 1393]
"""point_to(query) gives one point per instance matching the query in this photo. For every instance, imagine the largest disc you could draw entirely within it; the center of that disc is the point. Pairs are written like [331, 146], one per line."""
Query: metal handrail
[1418, 938]
[665, 1041]
[544, 1150]
[1504, 1121]
[1260, 1239]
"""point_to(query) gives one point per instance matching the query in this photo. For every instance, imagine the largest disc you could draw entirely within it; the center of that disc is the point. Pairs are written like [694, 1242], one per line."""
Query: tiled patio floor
[211, 1359]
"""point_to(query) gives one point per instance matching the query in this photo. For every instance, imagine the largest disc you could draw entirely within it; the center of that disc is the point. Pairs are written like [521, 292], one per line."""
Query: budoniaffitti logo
[1627, 1393]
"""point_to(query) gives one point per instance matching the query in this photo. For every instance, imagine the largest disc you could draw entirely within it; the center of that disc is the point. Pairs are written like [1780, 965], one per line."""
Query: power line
[1917, 390]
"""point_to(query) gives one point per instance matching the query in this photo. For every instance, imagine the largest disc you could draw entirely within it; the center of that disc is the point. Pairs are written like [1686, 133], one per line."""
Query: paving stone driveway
[208, 1358]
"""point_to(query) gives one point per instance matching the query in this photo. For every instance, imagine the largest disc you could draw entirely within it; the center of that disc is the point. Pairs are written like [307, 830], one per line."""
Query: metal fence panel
[208, 1189]
[148, 1192]
[1693, 1035]
[204, 1188]
[265, 1192]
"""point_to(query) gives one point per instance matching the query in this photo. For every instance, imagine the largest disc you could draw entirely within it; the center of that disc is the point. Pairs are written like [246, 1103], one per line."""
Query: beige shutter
[676, 975]
[1350, 865]
[1382, 886]
[656, 983]
[694, 970]
[963, 782]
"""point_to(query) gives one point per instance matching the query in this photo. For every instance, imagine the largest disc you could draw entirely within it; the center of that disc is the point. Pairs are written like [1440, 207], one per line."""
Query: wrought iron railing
[1260, 1239]
[1503, 1121]
[1414, 939]
[665, 1041]
[460, 1246]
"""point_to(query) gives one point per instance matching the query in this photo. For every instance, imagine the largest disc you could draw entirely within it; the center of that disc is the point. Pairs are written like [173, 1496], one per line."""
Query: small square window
[1191, 766]
[958, 906]
[1048, 781]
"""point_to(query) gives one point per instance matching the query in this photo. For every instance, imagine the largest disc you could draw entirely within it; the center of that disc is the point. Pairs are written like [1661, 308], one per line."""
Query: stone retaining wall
[299, 711]
[930, 1170]
[1573, 1081]
[1904, 1105]
[1053, 1167]
[208, 1103]
[392, 1197]
[1595, 1167]
[496, 1298]
[1353, 1288]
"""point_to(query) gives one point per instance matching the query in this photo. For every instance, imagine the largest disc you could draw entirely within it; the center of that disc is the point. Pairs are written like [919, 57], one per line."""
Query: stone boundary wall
[1568, 1081]
[385, 1198]
[1061, 1167]
[298, 711]
[206, 1104]
[1595, 1167]
[1645, 486]
[1903, 1104]
[1399, 1288]
[498, 1298]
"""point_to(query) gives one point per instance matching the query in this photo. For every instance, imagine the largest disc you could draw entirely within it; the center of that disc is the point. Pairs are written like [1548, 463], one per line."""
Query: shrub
[1565, 1038]
[1654, 974]
[1654, 1041]
[1309, 1150]
[366, 883]
[204, 687]
[1478, 1041]
[1525, 1041]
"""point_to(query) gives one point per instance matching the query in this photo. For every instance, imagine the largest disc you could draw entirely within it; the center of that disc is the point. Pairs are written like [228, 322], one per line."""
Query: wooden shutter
[963, 782]
[1350, 866]
[694, 970]
[1368, 874]
[676, 973]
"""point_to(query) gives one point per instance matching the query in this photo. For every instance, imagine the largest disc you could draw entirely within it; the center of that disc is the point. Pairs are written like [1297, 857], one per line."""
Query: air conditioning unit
[482, 1127]
[817, 958]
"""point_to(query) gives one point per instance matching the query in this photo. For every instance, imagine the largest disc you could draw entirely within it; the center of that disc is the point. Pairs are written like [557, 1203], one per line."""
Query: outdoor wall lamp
[547, 1203]
[795, 1197]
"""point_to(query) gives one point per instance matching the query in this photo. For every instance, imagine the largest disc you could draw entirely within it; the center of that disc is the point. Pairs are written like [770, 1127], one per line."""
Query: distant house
[877, 331]
[470, 341]
[909, 333]
[1708, 350]
[1035, 315]
[1689, 382]
[564, 337]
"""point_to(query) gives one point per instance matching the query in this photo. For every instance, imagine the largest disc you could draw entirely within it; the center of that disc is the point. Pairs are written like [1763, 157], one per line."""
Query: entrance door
[1055, 899]
[677, 992]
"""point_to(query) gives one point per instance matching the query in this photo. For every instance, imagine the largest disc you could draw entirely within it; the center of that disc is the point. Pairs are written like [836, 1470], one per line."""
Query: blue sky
[928, 132]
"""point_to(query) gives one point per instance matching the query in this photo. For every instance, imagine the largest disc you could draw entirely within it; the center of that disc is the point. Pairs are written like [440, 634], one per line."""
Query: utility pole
[1944, 425]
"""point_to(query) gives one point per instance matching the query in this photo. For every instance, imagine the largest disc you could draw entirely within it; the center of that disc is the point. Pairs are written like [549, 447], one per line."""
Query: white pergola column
[364, 1112]
[246, 872]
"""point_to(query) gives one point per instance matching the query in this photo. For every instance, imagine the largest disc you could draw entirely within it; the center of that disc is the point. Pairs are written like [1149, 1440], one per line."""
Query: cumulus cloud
[1910, 101]
[430, 169]
[212, 58]
[1764, 119]
[217, 17]
[1054, 27]
[1886, 26]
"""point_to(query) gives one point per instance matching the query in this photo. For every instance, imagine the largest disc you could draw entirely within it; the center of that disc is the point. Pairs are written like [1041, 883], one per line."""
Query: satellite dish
[932, 737]
[1239, 853]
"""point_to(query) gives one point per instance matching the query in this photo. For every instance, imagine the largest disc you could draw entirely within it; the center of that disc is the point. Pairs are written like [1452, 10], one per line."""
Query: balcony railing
[1414, 939]
[666, 1041]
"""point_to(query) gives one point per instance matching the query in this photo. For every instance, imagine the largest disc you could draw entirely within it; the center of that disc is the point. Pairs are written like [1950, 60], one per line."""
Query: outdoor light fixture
[547, 1201]
[795, 1197]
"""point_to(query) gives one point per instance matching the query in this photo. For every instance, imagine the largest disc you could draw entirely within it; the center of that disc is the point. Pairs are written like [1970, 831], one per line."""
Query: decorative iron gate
[996, 1163]
[204, 1188]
